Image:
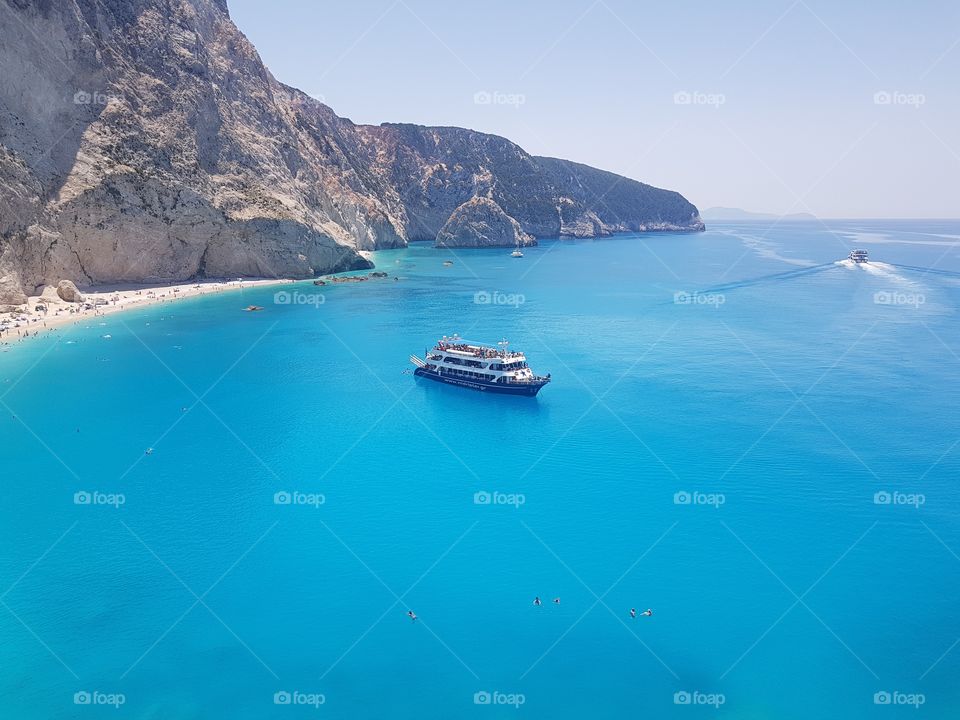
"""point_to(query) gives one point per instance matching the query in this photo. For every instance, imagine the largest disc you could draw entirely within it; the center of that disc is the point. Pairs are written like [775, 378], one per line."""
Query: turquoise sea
[757, 443]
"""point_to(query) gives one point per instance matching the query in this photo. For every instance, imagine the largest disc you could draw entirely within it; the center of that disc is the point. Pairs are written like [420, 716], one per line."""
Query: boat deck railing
[481, 351]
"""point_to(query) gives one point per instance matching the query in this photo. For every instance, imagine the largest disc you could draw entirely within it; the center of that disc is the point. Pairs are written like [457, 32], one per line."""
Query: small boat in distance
[859, 256]
[517, 252]
[479, 366]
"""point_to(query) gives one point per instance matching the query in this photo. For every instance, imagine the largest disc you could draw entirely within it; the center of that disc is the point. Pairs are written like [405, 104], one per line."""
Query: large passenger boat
[490, 368]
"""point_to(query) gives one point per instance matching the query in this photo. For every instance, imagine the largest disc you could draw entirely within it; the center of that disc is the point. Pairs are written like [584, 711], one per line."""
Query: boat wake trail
[765, 248]
[932, 271]
[881, 270]
[776, 277]
[878, 268]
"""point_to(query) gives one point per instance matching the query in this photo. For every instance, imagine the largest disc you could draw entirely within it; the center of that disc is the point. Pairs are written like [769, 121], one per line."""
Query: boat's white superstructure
[859, 256]
[481, 366]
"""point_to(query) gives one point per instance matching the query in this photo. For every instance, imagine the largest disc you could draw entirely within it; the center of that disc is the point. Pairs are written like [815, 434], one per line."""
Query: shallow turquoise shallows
[755, 442]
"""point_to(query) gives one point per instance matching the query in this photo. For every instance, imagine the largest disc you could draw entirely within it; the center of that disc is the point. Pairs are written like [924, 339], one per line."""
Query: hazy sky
[766, 105]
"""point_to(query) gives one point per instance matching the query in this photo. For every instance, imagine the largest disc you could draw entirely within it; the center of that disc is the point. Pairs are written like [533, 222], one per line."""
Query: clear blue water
[791, 392]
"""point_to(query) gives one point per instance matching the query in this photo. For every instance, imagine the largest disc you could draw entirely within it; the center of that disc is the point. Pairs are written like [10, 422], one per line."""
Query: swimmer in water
[536, 601]
[411, 615]
[647, 613]
[633, 612]
[556, 601]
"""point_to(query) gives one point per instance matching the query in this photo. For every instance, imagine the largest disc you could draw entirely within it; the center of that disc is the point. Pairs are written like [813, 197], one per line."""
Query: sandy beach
[42, 315]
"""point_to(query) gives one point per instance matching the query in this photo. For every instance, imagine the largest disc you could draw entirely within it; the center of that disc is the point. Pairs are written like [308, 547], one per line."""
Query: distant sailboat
[518, 252]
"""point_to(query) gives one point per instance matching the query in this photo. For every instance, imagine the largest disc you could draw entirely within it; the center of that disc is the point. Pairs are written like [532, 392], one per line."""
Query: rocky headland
[144, 141]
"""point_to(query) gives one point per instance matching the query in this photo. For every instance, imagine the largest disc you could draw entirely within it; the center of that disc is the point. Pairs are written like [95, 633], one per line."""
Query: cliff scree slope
[145, 141]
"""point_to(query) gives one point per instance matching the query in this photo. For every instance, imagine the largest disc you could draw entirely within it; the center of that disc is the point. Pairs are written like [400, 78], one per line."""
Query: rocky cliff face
[480, 222]
[144, 140]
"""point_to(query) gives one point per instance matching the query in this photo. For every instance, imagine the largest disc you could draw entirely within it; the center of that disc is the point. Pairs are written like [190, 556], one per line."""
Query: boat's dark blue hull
[526, 389]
